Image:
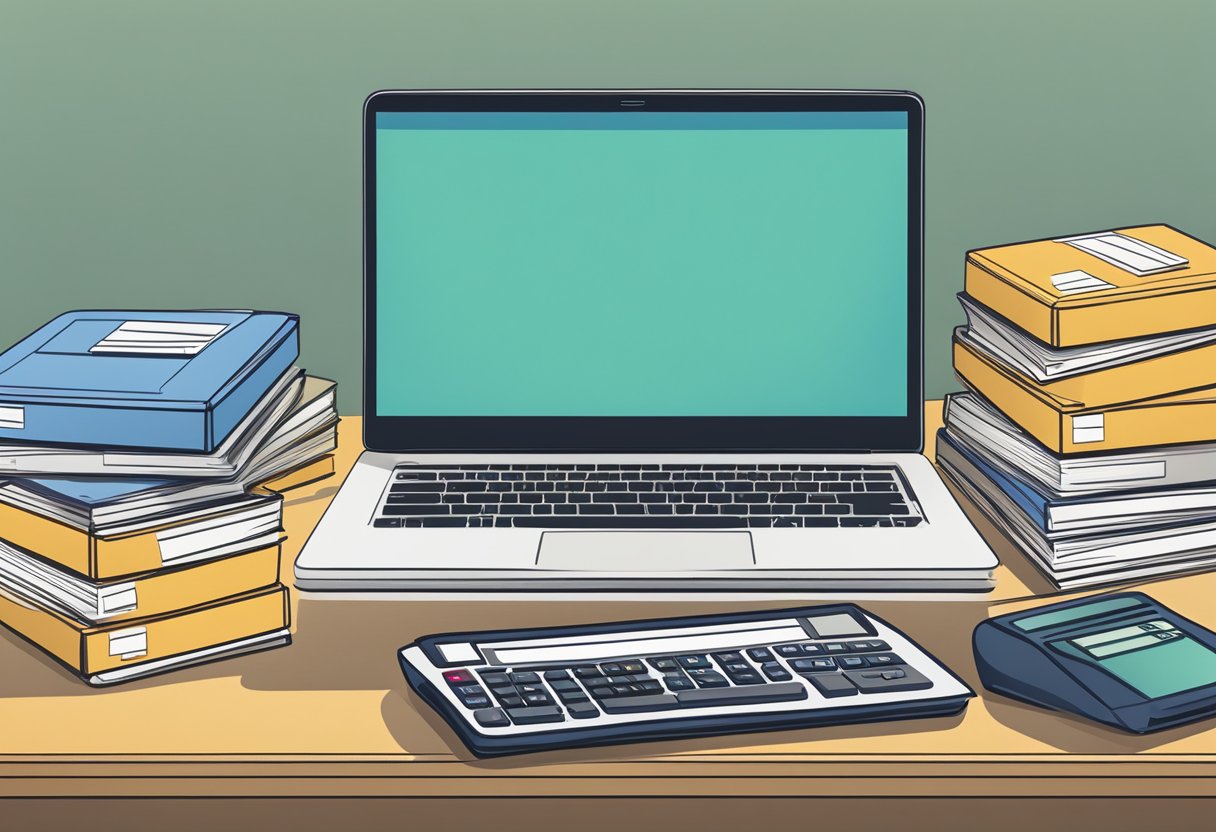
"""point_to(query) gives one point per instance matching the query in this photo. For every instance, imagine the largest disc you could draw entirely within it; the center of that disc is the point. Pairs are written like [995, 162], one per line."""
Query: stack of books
[1088, 432]
[143, 457]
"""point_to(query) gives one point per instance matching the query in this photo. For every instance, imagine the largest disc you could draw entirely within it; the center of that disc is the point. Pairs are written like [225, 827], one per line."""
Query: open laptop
[643, 340]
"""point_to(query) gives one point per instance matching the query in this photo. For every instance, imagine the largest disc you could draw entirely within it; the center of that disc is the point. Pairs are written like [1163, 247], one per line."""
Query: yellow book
[109, 653]
[1105, 286]
[235, 525]
[1067, 426]
[1162, 375]
[144, 595]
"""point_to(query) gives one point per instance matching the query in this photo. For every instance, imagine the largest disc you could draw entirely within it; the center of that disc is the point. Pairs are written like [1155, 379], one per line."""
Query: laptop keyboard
[624, 496]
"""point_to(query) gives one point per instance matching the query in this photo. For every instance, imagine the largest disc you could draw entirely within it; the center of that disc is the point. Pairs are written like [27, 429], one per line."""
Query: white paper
[1131, 255]
[1077, 281]
[1088, 428]
[159, 338]
[130, 643]
[12, 418]
[117, 598]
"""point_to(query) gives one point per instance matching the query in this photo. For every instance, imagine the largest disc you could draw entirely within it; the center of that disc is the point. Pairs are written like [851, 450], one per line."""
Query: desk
[306, 729]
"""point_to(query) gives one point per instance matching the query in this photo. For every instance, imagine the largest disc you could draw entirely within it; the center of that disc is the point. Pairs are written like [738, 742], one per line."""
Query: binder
[1064, 294]
[138, 596]
[139, 379]
[1067, 426]
[107, 653]
[234, 525]
[1162, 375]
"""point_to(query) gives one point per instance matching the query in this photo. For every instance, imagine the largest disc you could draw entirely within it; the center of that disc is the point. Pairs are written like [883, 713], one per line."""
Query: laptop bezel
[648, 434]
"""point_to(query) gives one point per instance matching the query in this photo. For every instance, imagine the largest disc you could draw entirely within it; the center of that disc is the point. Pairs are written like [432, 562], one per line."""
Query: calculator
[1123, 659]
[508, 692]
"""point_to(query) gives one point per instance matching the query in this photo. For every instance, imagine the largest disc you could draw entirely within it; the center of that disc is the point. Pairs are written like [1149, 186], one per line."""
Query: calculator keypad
[502, 696]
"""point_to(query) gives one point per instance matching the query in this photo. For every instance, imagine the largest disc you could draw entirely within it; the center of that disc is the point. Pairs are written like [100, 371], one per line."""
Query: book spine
[168, 426]
[1019, 405]
[240, 399]
[1136, 316]
[148, 639]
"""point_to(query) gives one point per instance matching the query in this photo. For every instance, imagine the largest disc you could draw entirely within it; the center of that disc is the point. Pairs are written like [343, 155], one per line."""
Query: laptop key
[634, 521]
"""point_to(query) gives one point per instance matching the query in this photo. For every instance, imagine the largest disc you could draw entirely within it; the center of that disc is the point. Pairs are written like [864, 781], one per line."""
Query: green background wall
[190, 154]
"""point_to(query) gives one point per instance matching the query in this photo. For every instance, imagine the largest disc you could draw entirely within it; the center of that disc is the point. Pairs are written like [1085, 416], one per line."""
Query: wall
[166, 154]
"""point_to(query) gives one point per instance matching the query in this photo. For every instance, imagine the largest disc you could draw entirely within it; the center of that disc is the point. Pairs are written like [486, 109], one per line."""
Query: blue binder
[177, 381]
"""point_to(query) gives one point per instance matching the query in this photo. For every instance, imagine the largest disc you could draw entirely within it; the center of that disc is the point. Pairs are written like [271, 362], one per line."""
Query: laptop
[643, 341]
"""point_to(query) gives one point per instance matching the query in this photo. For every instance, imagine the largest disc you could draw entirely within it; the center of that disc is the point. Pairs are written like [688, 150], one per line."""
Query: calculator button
[525, 678]
[650, 686]
[678, 682]
[491, 718]
[835, 647]
[533, 716]
[889, 680]
[633, 668]
[708, 678]
[726, 658]
[625, 680]
[694, 662]
[476, 701]
[582, 710]
[505, 690]
[789, 650]
[622, 690]
[571, 696]
[537, 699]
[524, 690]
[470, 690]
[601, 692]
[587, 672]
[832, 685]
[775, 672]
[664, 664]
[812, 649]
[783, 692]
[760, 654]
[877, 645]
[883, 659]
[511, 701]
[634, 704]
[612, 669]
[560, 685]
[851, 662]
[493, 679]
[459, 677]
[746, 678]
[813, 665]
[556, 675]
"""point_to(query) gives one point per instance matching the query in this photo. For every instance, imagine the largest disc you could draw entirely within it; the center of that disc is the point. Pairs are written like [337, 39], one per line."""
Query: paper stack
[1088, 434]
[143, 454]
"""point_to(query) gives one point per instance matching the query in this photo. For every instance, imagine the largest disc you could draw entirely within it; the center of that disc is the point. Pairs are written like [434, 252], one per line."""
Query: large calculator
[1121, 659]
[508, 692]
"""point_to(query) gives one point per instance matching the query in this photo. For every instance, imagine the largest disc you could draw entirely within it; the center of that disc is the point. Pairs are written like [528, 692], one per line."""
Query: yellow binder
[1066, 296]
[103, 558]
[1067, 426]
[90, 650]
[1163, 375]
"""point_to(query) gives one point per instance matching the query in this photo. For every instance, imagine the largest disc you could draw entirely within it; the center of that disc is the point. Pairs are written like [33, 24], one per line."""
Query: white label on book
[130, 643]
[1075, 282]
[12, 418]
[112, 600]
[1131, 255]
[1088, 428]
[158, 338]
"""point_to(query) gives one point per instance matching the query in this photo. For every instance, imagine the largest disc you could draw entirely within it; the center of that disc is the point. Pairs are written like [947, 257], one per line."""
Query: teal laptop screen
[641, 264]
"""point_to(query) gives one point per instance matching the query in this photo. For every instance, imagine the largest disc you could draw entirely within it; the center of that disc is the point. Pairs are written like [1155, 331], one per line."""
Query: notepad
[159, 338]
[1131, 255]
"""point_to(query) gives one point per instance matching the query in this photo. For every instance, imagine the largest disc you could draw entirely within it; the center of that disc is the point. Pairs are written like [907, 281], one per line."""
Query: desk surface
[332, 715]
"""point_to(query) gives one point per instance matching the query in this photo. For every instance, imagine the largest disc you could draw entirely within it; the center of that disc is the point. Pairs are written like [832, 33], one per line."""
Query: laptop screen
[638, 263]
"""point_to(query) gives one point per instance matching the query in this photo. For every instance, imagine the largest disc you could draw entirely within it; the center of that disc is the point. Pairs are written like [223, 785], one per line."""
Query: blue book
[174, 381]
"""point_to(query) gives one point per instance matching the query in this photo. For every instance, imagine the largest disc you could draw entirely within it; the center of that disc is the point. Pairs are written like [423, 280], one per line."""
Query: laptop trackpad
[646, 551]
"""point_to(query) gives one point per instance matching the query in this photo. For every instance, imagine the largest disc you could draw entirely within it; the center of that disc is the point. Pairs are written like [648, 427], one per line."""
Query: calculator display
[1154, 657]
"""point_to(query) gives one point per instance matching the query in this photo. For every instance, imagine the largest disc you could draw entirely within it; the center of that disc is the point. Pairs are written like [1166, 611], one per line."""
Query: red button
[458, 677]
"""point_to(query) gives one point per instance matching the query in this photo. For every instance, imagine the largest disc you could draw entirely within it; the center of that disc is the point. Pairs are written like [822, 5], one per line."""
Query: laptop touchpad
[646, 551]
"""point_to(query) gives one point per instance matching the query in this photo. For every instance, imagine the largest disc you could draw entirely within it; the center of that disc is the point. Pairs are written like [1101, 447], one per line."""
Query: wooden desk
[331, 718]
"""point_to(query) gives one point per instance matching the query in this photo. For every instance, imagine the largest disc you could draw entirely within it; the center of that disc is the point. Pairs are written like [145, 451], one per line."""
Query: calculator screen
[1154, 657]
